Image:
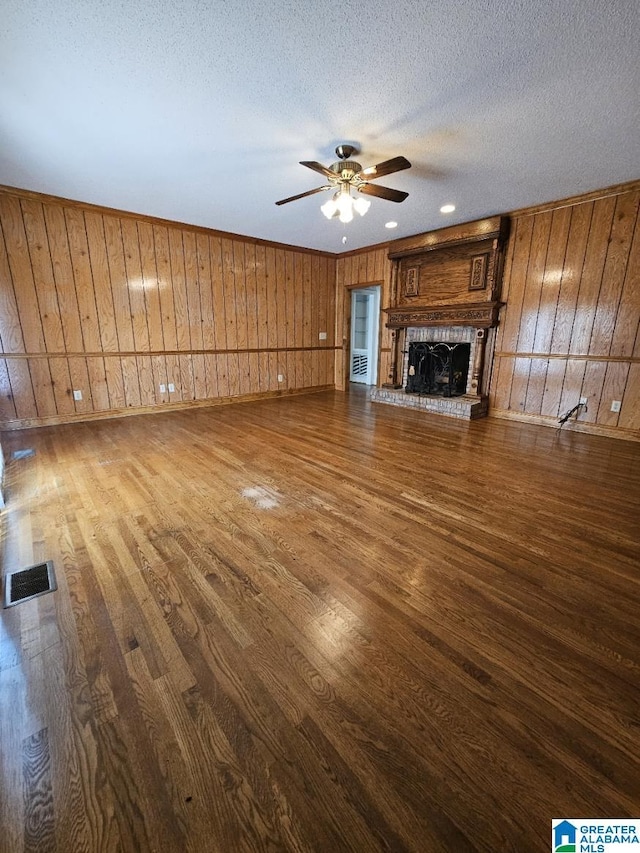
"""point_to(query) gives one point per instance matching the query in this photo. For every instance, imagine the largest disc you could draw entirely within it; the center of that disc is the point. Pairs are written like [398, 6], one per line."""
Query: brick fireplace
[444, 304]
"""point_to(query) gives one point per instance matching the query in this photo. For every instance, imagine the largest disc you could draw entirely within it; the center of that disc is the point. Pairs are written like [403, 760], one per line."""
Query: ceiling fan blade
[302, 195]
[383, 192]
[318, 167]
[396, 164]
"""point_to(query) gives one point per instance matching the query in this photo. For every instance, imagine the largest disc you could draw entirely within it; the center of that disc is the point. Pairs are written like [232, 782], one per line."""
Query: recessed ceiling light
[447, 208]
[390, 224]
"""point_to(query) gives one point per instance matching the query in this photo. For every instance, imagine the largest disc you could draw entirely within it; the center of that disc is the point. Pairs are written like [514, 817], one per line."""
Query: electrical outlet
[583, 401]
[77, 395]
[172, 387]
[280, 378]
[322, 336]
[615, 405]
[163, 388]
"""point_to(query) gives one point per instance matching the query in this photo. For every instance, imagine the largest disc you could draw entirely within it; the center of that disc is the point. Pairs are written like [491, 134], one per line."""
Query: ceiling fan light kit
[342, 205]
[345, 174]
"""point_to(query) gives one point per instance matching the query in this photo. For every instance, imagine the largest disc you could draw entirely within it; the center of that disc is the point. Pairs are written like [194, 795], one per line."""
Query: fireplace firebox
[438, 369]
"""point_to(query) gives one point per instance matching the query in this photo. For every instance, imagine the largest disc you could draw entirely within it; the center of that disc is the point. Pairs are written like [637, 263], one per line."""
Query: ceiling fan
[346, 173]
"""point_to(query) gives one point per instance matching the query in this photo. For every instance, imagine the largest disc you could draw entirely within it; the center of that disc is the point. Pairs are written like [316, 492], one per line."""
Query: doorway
[365, 318]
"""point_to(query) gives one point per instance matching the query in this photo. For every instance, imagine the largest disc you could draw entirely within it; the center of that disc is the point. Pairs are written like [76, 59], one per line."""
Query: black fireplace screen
[438, 369]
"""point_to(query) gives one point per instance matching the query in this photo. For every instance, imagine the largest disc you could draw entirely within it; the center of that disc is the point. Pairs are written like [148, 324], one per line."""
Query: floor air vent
[29, 583]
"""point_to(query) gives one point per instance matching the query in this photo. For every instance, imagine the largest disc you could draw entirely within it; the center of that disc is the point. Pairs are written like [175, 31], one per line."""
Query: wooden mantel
[452, 279]
[480, 315]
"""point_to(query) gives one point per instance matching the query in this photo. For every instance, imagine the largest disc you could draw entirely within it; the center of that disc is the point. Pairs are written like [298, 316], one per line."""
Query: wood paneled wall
[571, 325]
[362, 270]
[114, 305]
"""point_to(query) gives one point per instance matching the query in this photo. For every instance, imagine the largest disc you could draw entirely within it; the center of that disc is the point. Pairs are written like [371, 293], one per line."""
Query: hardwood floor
[318, 624]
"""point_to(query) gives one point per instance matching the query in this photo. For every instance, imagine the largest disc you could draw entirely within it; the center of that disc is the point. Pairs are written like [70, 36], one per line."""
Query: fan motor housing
[346, 166]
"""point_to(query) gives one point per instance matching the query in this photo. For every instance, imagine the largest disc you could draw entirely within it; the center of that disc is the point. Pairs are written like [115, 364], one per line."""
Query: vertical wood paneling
[306, 320]
[118, 283]
[206, 292]
[145, 380]
[7, 405]
[571, 275]
[150, 285]
[194, 308]
[211, 372]
[172, 363]
[536, 385]
[272, 298]
[61, 385]
[42, 387]
[630, 411]
[11, 338]
[615, 268]
[551, 280]
[199, 376]
[131, 381]
[613, 388]
[135, 285]
[315, 330]
[297, 320]
[627, 327]
[500, 389]
[46, 293]
[251, 286]
[238, 295]
[230, 310]
[114, 377]
[592, 388]
[514, 310]
[93, 313]
[572, 384]
[219, 314]
[80, 380]
[254, 373]
[554, 382]
[165, 286]
[533, 282]
[281, 313]
[520, 384]
[587, 293]
[22, 274]
[63, 277]
[122, 305]
[591, 278]
[22, 388]
[262, 299]
[101, 397]
[186, 378]
[262, 367]
[100, 279]
[176, 254]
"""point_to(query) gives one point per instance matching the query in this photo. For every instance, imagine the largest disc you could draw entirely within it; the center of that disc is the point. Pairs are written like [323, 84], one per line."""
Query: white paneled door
[365, 310]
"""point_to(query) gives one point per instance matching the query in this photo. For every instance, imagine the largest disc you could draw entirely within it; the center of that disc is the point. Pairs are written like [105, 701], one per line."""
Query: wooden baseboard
[55, 420]
[571, 426]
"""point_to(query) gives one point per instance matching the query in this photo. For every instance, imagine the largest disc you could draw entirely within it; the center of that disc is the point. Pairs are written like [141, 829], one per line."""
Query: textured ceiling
[199, 110]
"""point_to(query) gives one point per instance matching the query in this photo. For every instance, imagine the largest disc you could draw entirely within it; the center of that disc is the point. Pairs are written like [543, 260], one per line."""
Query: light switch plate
[163, 388]
[322, 336]
[77, 395]
[172, 387]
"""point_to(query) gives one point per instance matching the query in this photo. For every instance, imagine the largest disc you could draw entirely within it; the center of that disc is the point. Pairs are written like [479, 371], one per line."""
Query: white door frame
[369, 354]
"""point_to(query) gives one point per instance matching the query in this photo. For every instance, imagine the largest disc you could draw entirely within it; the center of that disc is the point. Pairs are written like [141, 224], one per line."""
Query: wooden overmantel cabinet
[450, 277]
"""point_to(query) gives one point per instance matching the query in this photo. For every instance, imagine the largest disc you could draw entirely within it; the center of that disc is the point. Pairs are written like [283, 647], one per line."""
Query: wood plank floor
[318, 624]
